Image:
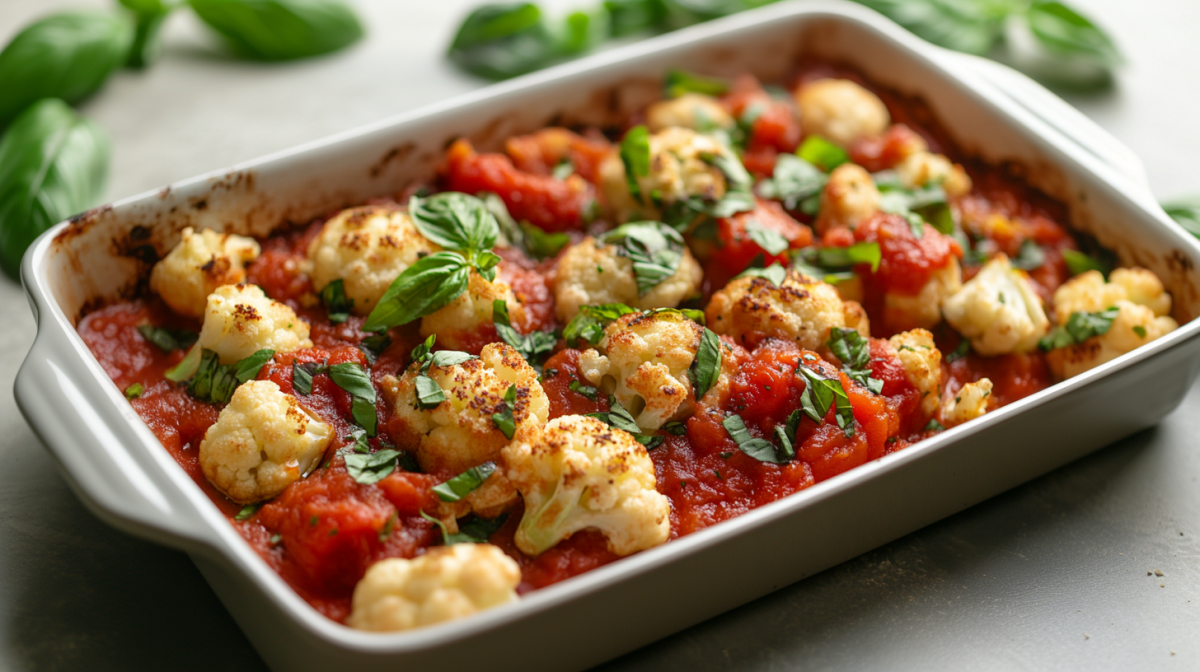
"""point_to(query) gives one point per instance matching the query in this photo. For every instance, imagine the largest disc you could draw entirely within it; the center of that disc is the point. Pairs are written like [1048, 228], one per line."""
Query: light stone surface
[1051, 575]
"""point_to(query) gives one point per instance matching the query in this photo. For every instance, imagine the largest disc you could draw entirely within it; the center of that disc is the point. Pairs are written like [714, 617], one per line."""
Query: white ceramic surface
[118, 467]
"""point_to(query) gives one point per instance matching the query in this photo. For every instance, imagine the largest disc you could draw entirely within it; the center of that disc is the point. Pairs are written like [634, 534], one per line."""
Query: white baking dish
[120, 470]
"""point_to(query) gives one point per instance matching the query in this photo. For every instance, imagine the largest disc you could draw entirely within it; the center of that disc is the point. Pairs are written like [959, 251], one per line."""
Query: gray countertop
[1058, 573]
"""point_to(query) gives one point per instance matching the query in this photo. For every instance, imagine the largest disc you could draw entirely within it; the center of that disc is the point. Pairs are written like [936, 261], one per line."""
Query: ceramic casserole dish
[118, 468]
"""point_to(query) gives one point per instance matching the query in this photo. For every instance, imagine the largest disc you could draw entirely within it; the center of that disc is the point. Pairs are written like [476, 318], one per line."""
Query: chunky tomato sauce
[324, 531]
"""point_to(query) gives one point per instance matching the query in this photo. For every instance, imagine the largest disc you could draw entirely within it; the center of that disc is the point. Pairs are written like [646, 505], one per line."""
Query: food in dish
[599, 340]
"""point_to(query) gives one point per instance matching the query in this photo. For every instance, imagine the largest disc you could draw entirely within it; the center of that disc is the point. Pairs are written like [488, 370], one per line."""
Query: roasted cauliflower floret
[801, 309]
[1088, 292]
[924, 168]
[240, 320]
[969, 403]
[691, 110]
[262, 442]
[922, 363]
[923, 309]
[460, 433]
[998, 310]
[578, 473]
[681, 166]
[1134, 326]
[849, 197]
[840, 111]
[592, 273]
[444, 584]
[643, 360]
[198, 265]
[457, 324]
[367, 248]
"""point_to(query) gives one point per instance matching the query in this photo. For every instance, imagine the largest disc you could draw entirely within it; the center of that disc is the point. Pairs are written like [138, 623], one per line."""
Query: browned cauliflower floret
[444, 584]
[801, 309]
[460, 433]
[262, 442]
[578, 473]
[457, 324]
[240, 320]
[1142, 305]
[691, 110]
[367, 248]
[924, 168]
[840, 111]
[969, 403]
[681, 166]
[922, 363]
[644, 360]
[924, 309]
[998, 310]
[592, 273]
[198, 265]
[848, 198]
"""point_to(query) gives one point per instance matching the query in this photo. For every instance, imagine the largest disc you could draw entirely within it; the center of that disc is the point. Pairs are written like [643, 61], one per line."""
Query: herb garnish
[679, 82]
[635, 155]
[822, 153]
[504, 420]
[654, 248]
[794, 182]
[855, 352]
[248, 511]
[821, 393]
[465, 483]
[579, 388]
[706, 367]
[471, 529]
[135, 390]
[534, 346]
[1080, 326]
[356, 381]
[760, 449]
[335, 300]
[368, 468]
[168, 340]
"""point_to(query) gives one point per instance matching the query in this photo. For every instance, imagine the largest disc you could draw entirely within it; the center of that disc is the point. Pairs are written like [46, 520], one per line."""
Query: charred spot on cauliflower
[592, 273]
[367, 248]
[578, 473]
[240, 320]
[198, 265]
[460, 433]
[922, 363]
[841, 111]
[458, 323]
[691, 110]
[681, 166]
[800, 309]
[643, 361]
[848, 198]
[444, 584]
[998, 310]
[969, 403]
[262, 442]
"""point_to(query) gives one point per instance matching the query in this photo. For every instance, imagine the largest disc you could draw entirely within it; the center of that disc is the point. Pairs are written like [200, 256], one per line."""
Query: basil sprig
[471, 530]
[760, 449]
[53, 164]
[620, 418]
[67, 55]
[278, 30]
[533, 346]
[335, 300]
[796, 183]
[654, 248]
[168, 340]
[820, 393]
[855, 352]
[465, 483]
[1080, 326]
[706, 367]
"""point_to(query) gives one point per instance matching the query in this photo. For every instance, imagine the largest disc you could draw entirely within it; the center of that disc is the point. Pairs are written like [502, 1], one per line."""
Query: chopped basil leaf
[737, 178]
[794, 181]
[168, 340]
[635, 155]
[679, 82]
[675, 428]
[1079, 262]
[368, 468]
[706, 368]
[822, 153]
[471, 529]
[775, 273]
[356, 381]
[1080, 326]
[187, 367]
[358, 436]
[771, 241]
[373, 346]
[935, 426]
[1030, 256]
[429, 393]
[534, 346]
[248, 511]
[834, 264]
[961, 350]
[213, 382]
[821, 393]
[465, 483]
[654, 248]
[504, 420]
[429, 284]
[579, 388]
[760, 449]
[421, 352]
[135, 390]
[302, 375]
[620, 418]
[543, 244]
[1137, 329]
[248, 368]
[855, 352]
[275, 539]
[335, 300]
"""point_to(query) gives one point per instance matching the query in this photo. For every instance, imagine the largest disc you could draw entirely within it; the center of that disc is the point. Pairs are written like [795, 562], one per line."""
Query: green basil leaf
[248, 511]
[675, 428]
[834, 259]
[421, 352]
[706, 368]
[248, 368]
[654, 248]
[771, 241]
[53, 164]
[973, 26]
[280, 30]
[356, 381]
[855, 353]
[335, 300]
[737, 178]
[66, 55]
[485, 263]
[373, 346]
[213, 381]
[502, 40]
[1029, 256]
[635, 155]
[1185, 213]
[679, 82]
[429, 393]
[760, 449]
[583, 31]
[586, 390]
[168, 340]
[371, 468]
[471, 530]
[150, 16]
[534, 346]
[504, 420]
[589, 324]
[1066, 32]
[775, 273]
[187, 367]
[359, 436]
[627, 17]
[961, 350]
[456, 221]
[934, 426]
[302, 376]
[541, 244]
[620, 418]
[447, 358]
[465, 483]
[1079, 262]
[822, 153]
[793, 181]
[820, 393]
[135, 390]
[421, 289]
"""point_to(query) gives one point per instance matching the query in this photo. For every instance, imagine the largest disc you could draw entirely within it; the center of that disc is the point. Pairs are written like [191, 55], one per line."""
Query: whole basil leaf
[371, 467]
[973, 26]
[456, 221]
[280, 30]
[793, 181]
[1185, 213]
[627, 17]
[150, 16]
[66, 55]
[1066, 32]
[502, 40]
[53, 164]
[422, 288]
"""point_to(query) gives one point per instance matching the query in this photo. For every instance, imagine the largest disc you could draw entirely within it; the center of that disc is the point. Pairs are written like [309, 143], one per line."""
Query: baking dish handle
[90, 443]
[1049, 108]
